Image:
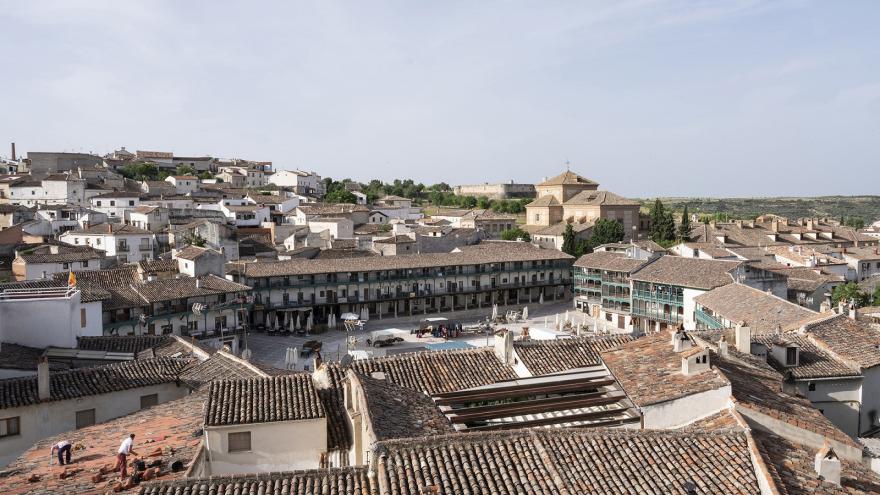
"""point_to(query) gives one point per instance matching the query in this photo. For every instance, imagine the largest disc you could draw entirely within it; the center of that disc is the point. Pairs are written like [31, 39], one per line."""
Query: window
[98, 203]
[239, 442]
[85, 263]
[10, 427]
[85, 418]
[148, 401]
[113, 203]
[82, 317]
[791, 356]
[65, 265]
[130, 202]
[811, 386]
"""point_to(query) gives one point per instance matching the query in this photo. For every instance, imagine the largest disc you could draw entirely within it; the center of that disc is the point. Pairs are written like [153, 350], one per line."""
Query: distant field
[865, 207]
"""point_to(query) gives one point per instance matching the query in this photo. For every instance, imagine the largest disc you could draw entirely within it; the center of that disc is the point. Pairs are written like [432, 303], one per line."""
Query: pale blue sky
[711, 98]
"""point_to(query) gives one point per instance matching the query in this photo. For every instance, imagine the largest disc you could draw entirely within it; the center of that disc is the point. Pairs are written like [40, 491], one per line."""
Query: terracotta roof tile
[762, 312]
[439, 371]
[650, 371]
[611, 261]
[543, 357]
[853, 341]
[261, 400]
[336, 481]
[687, 272]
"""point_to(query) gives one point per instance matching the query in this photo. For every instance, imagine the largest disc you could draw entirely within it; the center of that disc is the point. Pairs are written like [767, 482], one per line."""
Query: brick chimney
[13, 151]
[43, 383]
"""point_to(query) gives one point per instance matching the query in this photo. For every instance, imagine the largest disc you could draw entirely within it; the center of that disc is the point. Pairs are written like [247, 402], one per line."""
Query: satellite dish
[346, 361]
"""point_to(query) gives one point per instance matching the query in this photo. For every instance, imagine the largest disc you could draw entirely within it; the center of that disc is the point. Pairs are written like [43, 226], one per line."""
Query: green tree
[340, 195]
[584, 246]
[850, 292]
[205, 175]
[876, 295]
[140, 171]
[568, 241]
[483, 203]
[185, 170]
[684, 228]
[514, 234]
[662, 223]
[606, 231]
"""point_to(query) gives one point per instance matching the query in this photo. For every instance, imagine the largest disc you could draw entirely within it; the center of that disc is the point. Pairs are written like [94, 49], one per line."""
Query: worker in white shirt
[63, 447]
[122, 456]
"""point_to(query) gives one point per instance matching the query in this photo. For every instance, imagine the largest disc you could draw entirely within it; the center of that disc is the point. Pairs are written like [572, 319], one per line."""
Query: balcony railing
[122, 247]
[658, 296]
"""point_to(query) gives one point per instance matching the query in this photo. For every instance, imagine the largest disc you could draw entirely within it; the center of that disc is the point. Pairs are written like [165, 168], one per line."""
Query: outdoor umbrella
[525, 315]
[290, 321]
[494, 311]
[541, 299]
[298, 326]
[308, 324]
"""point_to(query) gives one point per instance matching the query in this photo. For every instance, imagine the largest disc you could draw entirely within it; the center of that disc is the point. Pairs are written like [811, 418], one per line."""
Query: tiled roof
[152, 266]
[172, 427]
[19, 357]
[110, 286]
[802, 278]
[650, 371]
[544, 201]
[397, 239]
[184, 287]
[439, 371]
[720, 421]
[337, 209]
[853, 341]
[761, 311]
[335, 481]
[600, 198]
[863, 254]
[65, 254]
[559, 228]
[261, 400]
[711, 249]
[120, 343]
[220, 366]
[192, 252]
[792, 468]
[494, 253]
[757, 386]
[569, 461]
[611, 261]
[399, 412]
[82, 382]
[153, 154]
[813, 362]
[567, 177]
[543, 357]
[331, 392]
[687, 272]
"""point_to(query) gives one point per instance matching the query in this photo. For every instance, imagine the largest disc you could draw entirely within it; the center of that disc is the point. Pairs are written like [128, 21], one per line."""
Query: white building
[305, 183]
[43, 262]
[183, 184]
[124, 242]
[53, 189]
[115, 204]
[279, 435]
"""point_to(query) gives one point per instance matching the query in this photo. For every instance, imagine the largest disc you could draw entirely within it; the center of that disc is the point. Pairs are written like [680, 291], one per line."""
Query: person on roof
[122, 456]
[63, 447]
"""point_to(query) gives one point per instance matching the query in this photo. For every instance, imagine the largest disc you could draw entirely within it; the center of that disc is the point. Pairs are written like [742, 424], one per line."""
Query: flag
[71, 280]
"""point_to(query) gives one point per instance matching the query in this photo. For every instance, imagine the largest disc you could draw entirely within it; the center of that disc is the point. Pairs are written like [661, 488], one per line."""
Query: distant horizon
[671, 98]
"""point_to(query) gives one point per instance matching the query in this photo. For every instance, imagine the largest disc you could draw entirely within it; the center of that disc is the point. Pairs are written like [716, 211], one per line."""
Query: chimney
[504, 346]
[852, 312]
[13, 151]
[774, 225]
[828, 464]
[680, 341]
[43, 384]
[825, 306]
[788, 384]
[198, 283]
[743, 339]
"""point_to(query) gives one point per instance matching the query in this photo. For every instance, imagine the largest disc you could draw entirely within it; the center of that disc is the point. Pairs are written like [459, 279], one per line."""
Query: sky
[647, 97]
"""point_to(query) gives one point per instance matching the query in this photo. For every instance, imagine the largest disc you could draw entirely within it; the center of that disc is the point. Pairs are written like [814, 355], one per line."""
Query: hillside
[864, 207]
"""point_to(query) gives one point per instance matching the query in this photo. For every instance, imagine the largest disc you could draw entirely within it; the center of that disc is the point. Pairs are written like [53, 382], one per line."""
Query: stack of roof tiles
[440, 371]
[261, 400]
